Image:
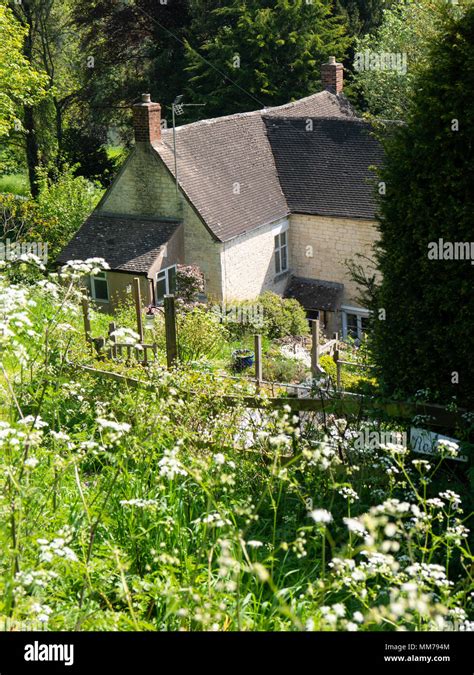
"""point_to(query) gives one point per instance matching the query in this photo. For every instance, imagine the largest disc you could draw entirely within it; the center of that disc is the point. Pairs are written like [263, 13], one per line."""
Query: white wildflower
[321, 516]
[31, 462]
[349, 493]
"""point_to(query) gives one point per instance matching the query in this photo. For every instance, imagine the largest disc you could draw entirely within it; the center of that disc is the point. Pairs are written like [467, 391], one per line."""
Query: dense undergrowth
[166, 509]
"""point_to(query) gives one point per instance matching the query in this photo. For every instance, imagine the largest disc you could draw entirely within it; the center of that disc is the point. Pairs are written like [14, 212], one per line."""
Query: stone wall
[248, 264]
[319, 247]
[146, 187]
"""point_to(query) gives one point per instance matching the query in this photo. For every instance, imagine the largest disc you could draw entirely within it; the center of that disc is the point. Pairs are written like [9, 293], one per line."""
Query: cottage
[276, 199]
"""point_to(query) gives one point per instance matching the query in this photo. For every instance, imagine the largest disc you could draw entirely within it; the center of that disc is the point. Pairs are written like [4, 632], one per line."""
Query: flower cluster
[55, 548]
[170, 466]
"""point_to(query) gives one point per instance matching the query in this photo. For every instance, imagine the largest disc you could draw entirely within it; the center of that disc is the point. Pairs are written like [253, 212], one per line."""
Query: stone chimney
[147, 120]
[332, 75]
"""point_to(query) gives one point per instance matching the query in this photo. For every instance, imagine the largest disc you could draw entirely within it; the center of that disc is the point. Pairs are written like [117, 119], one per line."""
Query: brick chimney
[147, 120]
[332, 75]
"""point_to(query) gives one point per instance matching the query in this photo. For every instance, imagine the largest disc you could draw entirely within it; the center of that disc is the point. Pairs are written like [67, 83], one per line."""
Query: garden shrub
[426, 337]
[61, 208]
[65, 202]
[269, 314]
[279, 368]
[189, 283]
[283, 316]
[351, 379]
[199, 334]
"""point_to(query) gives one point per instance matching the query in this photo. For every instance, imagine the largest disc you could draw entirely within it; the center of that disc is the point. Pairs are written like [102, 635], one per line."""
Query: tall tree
[136, 46]
[51, 45]
[363, 16]
[406, 32]
[263, 52]
[20, 83]
[424, 308]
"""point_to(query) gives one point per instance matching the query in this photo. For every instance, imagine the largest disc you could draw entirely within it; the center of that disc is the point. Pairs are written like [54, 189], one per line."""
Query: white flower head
[321, 516]
[31, 462]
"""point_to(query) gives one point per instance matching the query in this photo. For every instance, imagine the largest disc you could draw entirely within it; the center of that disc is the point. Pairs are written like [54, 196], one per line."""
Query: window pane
[172, 280]
[283, 239]
[277, 242]
[352, 325]
[284, 261]
[100, 289]
[277, 262]
[160, 288]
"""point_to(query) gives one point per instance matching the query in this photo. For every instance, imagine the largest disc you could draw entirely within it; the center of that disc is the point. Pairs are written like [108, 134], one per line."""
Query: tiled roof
[226, 165]
[315, 293]
[127, 243]
[323, 168]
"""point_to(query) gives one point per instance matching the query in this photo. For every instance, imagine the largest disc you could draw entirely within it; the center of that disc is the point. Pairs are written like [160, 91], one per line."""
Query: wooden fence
[339, 403]
[141, 352]
[336, 401]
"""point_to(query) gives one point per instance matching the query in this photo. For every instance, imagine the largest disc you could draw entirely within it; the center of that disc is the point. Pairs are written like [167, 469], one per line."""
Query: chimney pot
[146, 98]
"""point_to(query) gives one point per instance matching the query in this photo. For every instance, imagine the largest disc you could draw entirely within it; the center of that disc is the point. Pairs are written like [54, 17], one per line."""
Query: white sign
[425, 442]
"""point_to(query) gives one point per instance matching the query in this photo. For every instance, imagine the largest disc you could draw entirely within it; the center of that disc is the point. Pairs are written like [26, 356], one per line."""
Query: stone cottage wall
[145, 187]
[248, 264]
[319, 247]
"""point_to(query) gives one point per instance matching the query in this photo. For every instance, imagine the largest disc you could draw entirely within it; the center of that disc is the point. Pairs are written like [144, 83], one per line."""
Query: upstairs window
[165, 282]
[100, 287]
[281, 252]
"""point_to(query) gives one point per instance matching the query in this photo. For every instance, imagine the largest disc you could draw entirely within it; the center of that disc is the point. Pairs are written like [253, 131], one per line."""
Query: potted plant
[243, 358]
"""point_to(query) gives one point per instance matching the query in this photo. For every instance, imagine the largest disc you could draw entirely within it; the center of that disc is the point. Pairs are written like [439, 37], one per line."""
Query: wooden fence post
[335, 357]
[87, 320]
[138, 307]
[315, 347]
[112, 338]
[151, 291]
[170, 328]
[258, 361]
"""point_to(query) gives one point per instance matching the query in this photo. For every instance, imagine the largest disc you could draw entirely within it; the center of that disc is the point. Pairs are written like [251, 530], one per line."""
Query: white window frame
[360, 313]
[100, 276]
[278, 248]
[164, 271]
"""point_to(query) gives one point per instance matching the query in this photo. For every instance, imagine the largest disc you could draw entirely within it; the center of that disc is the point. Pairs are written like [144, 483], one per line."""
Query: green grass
[167, 509]
[16, 183]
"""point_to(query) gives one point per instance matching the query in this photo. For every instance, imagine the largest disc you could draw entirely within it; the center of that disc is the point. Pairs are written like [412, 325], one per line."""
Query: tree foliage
[20, 83]
[63, 204]
[423, 310]
[263, 53]
[363, 16]
[407, 30]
